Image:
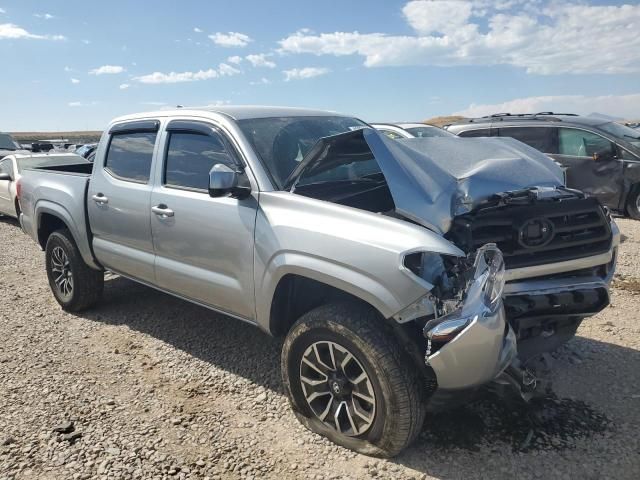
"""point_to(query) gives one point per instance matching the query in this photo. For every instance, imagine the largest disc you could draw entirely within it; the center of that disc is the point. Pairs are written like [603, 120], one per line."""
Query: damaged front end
[469, 342]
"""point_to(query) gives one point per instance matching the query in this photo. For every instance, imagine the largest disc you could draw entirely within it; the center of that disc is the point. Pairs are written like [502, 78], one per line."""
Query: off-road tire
[88, 283]
[632, 203]
[398, 387]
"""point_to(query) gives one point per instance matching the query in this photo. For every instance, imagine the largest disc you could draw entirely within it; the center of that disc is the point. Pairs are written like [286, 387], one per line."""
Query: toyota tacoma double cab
[402, 273]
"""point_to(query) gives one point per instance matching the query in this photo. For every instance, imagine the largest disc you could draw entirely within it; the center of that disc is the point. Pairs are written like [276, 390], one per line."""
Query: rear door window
[540, 138]
[190, 157]
[130, 154]
[580, 143]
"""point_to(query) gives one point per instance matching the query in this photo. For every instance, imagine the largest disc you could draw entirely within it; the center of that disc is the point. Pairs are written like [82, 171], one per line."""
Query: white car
[410, 130]
[11, 167]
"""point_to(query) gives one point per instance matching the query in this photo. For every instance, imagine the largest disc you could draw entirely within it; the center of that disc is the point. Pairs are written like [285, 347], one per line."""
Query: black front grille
[537, 233]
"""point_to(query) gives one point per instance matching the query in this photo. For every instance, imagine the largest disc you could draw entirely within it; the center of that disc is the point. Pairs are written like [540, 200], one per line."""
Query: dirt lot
[159, 388]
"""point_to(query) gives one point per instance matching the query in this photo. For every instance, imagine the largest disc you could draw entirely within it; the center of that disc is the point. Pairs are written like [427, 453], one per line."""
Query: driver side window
[580, 143]
[190, 157]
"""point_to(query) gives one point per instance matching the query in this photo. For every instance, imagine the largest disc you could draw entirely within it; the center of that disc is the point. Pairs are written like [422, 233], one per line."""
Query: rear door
[119, 199]
[6, 200]
[592, 164]
[203, 245]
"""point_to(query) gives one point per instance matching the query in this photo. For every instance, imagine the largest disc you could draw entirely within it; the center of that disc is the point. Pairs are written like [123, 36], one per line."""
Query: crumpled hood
[434, 179]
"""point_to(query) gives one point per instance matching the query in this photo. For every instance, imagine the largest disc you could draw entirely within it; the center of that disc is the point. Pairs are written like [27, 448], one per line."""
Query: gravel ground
[148, 386]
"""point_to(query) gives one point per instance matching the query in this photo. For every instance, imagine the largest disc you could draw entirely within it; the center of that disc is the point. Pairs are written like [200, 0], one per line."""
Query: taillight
[18, 189]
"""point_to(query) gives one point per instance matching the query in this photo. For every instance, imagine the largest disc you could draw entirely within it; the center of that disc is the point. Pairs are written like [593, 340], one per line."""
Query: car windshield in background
[428, 132]
[46, 161]
[622, 131]
[7, 142]
[282, 142]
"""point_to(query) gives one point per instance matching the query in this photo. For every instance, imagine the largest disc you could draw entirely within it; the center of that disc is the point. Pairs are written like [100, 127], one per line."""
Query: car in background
[601, 158]
[8, 145]
[11, 168]
[410, 130]
[86, 150]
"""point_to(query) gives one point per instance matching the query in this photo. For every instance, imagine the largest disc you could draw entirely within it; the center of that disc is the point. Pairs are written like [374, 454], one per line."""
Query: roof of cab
[235, 112]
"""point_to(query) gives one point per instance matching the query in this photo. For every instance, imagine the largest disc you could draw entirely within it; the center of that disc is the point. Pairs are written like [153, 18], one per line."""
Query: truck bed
[60, 191]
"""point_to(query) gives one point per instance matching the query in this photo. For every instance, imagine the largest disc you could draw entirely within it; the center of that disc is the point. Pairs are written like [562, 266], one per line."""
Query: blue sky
[76, 64]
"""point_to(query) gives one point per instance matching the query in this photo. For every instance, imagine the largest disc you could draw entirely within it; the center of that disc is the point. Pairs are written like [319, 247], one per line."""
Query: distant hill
[440, 121]
[73, 137]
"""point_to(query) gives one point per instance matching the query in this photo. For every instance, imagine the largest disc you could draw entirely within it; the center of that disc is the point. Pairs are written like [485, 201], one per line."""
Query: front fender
[358, 284]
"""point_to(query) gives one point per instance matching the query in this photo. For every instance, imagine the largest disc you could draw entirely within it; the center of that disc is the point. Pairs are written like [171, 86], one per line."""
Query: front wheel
[633, 203]
[74, 284]
[349, 380]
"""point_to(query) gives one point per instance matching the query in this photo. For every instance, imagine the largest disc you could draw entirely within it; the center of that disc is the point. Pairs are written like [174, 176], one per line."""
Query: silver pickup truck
[401, 272]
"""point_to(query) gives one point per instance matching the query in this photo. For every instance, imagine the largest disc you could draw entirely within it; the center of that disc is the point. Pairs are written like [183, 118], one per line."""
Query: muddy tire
[74, 284]
[633, 203]
[349, 380]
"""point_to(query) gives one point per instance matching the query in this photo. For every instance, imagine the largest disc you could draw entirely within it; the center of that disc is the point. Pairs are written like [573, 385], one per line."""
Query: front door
[119, 200]
[592, 164]
[203, 245]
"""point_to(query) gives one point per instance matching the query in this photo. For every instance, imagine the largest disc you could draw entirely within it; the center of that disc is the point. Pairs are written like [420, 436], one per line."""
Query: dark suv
[601, 158]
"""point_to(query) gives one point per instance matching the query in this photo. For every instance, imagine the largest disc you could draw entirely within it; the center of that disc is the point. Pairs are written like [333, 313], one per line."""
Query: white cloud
[262, 81]
[302, 73]
[437, 17]
[235, 59]
[86, 42]
[68, 69]
[180, 77]
[46, 16]
[154, 104]
[14, 32]
[260, 60]
[197, 30]
[230, 39]
[107, 70]
[624, 106]
[542, 37]
[227, 70]
[2, 10]
[82, 104]
[75, 81]
[124, 86]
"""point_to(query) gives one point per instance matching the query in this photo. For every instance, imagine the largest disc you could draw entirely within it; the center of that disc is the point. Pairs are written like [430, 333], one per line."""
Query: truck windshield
[7, 142]
[282, 142]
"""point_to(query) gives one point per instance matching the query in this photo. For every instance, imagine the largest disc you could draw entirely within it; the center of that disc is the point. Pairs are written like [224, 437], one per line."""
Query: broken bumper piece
[478, 342]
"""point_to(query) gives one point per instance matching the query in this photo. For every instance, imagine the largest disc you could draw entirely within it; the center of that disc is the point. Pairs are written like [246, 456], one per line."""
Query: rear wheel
[74, 284]
[633, 203]
[349, 380]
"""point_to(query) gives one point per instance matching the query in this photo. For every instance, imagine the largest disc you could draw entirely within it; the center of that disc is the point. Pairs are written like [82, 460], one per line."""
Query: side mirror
[604, 156]
[225, 181]
[6, 177]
